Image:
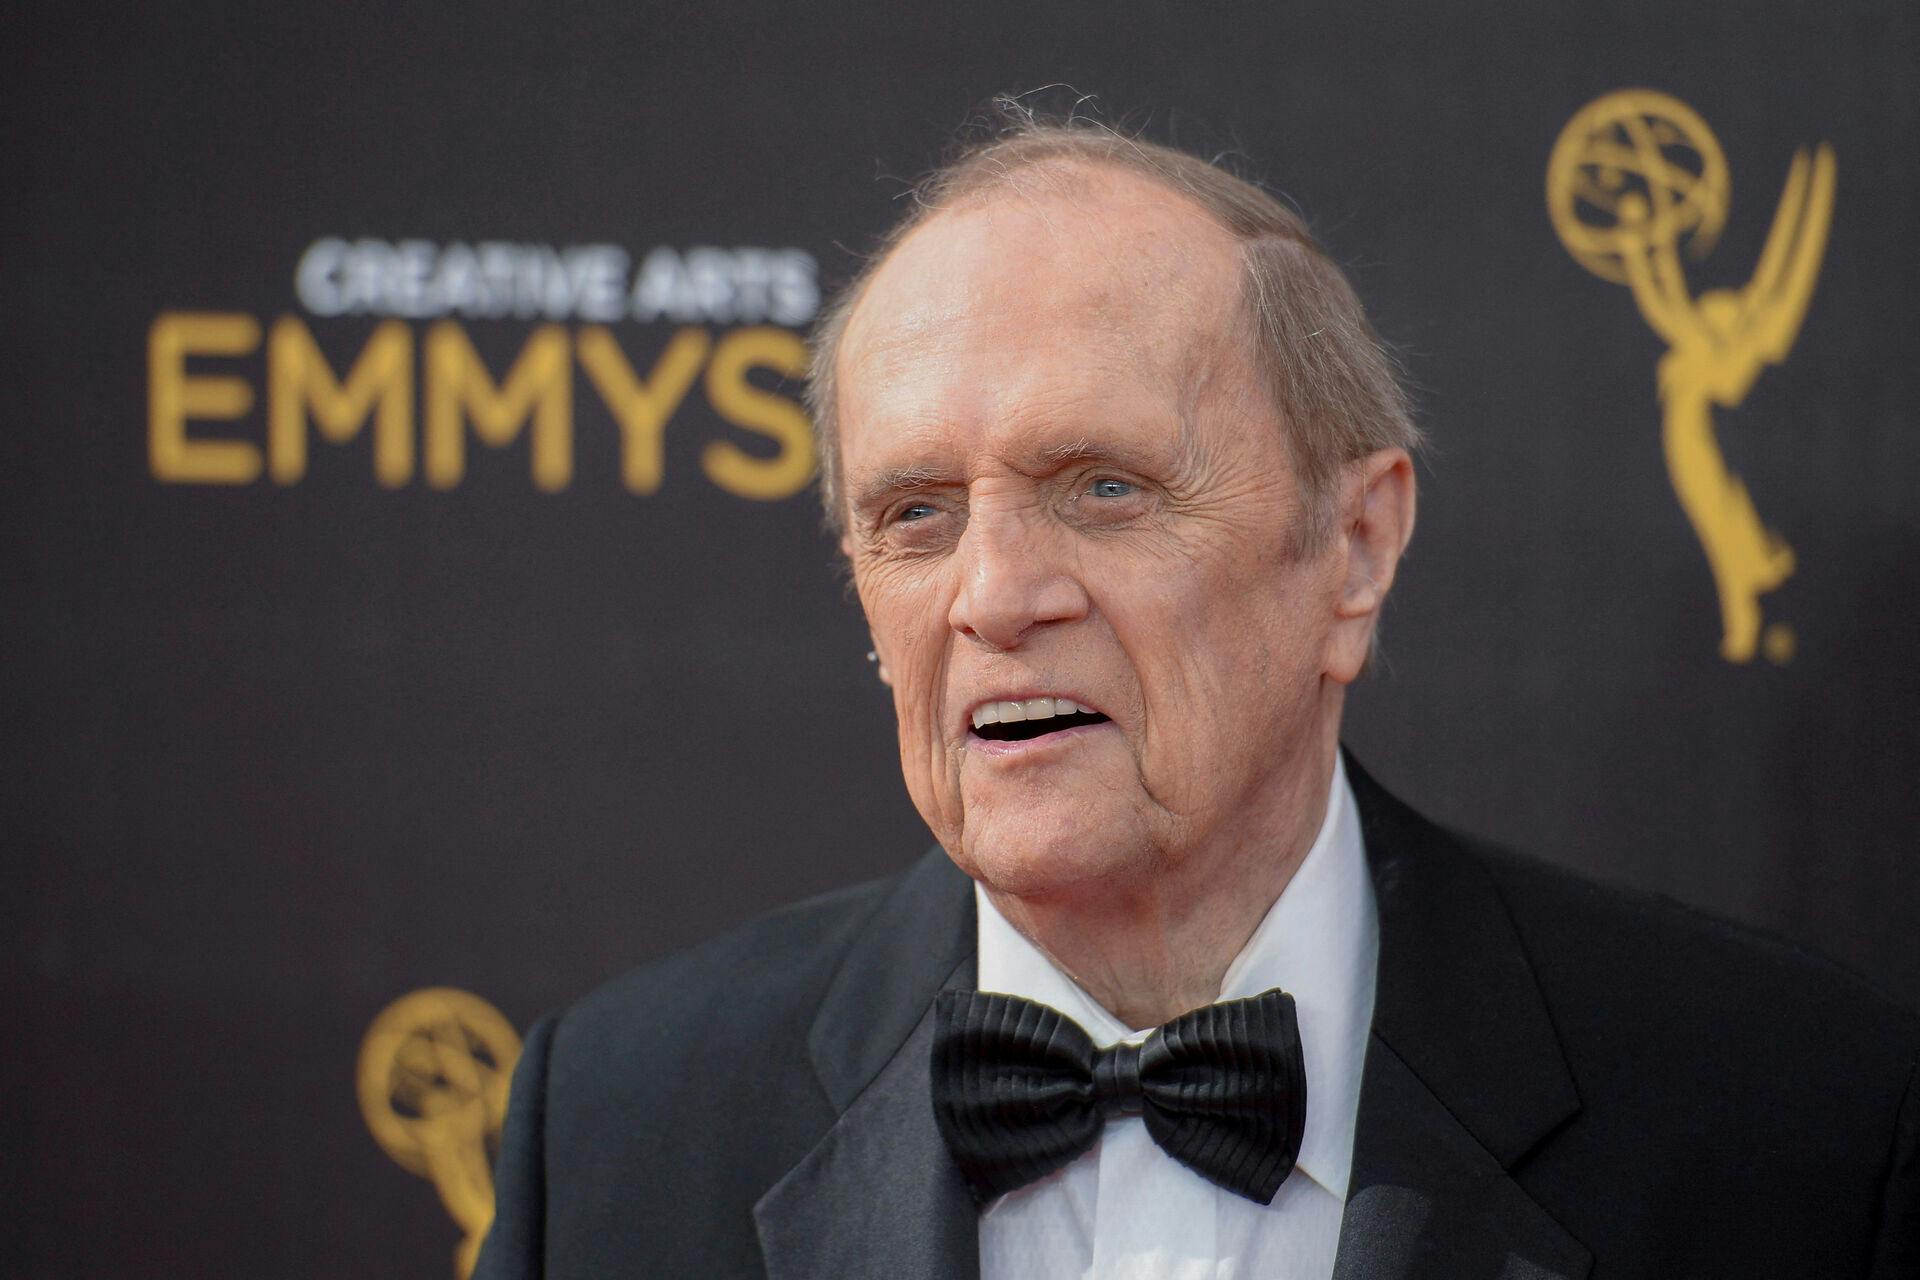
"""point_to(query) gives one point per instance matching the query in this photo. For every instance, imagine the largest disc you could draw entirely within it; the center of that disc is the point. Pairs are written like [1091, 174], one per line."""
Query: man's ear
[1374, 524]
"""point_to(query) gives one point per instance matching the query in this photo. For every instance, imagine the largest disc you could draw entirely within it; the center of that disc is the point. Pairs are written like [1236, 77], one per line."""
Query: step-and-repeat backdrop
[415, 610]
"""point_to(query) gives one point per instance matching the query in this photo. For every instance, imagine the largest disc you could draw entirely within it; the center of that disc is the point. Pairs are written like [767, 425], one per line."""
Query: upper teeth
[1025, 709]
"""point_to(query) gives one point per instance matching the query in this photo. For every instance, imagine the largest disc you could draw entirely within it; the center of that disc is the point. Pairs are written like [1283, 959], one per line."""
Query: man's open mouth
[1030, 718]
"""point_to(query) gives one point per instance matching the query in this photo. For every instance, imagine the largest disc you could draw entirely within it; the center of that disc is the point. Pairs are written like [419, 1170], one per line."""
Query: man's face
[1064, 482]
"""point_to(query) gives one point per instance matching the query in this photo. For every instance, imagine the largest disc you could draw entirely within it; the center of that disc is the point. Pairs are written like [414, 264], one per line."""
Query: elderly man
[1123, 478]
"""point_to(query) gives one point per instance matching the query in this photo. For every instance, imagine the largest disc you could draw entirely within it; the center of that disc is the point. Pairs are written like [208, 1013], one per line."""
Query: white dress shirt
[1125, 1210]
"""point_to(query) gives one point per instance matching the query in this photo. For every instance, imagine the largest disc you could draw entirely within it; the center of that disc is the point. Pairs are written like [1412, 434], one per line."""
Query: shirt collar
[1320, 942]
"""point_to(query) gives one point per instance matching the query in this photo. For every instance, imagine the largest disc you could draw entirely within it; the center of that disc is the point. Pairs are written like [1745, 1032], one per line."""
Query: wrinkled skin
[1063, 477]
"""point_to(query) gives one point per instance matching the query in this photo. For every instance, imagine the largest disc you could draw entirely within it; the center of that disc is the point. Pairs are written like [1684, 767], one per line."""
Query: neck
[1154, 948]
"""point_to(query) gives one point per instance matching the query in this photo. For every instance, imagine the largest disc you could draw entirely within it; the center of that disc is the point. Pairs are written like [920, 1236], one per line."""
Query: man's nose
[1015, 578]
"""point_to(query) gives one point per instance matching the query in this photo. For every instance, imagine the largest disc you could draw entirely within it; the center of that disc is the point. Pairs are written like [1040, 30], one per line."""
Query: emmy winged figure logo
[432, 1080]
[1635, 178]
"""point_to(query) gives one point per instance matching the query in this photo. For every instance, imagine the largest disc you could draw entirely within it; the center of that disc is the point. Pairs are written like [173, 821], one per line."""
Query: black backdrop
[281, 751]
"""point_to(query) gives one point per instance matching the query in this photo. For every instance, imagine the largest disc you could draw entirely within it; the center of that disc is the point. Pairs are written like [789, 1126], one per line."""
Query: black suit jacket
[1562, 1081]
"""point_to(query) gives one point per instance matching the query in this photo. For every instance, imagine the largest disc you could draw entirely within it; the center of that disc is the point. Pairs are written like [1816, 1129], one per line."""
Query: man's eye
[915, 511]
[1110, 488]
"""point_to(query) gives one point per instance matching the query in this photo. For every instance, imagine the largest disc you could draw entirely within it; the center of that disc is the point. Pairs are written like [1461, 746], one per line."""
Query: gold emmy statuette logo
[1635, 178]
[433, 1076]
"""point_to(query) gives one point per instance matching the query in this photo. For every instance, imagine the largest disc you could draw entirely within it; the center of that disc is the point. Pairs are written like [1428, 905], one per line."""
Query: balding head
[1135, 276]
[1308, 341]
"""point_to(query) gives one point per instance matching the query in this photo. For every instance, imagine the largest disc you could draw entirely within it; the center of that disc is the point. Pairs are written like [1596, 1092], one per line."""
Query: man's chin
[1042, 854]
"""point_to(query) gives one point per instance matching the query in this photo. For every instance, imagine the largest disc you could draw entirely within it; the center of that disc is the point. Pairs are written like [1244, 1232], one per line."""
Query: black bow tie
[1020, 1090]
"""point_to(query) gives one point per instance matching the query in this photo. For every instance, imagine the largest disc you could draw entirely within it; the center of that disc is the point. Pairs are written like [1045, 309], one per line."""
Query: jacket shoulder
[666, 1102]
[1583, 932]
[1708, 1033]
[758, 981]
[1742, 1079]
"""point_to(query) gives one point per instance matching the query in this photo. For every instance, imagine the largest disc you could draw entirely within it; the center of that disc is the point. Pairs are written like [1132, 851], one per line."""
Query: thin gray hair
[1337, 386]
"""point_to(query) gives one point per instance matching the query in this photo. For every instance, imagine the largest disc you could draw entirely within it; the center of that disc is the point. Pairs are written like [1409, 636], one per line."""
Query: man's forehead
[1083, 252]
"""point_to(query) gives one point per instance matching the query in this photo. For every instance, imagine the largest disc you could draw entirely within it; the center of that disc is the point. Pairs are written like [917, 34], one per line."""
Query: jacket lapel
[878, 1197]
[1463, 1077]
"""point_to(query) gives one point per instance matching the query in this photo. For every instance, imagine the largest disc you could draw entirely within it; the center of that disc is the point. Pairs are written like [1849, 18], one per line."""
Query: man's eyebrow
[1045, 461]
[1130, 456]
[895, 480]
[1083, 450]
